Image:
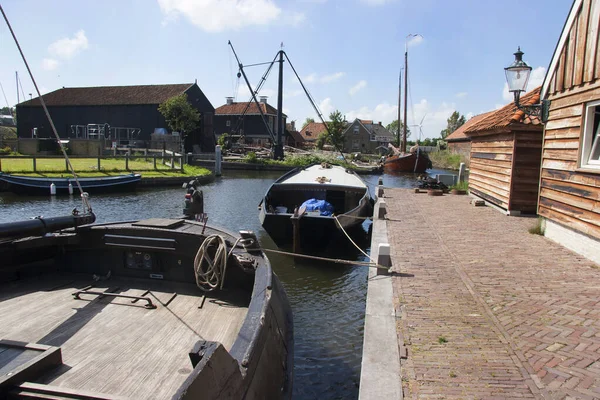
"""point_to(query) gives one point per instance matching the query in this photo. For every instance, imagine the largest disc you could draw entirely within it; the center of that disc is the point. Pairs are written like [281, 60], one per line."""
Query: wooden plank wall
[579, 60]
[491, 167]
[526, 172]
[568, 195]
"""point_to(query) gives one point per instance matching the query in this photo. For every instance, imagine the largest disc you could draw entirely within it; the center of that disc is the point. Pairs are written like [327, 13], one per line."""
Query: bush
[446, 160]
[464, 185]
[251, 157]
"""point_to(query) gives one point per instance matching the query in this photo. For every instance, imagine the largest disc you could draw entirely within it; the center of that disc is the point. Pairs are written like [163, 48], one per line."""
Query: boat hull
[41, 186]
[410, 162]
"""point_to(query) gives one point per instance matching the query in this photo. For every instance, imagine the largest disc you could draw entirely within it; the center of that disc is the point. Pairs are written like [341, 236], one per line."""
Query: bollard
[70, 188]
[52, 189]
[217, 160]
[380, 209]
[380, 182]
[384, 258]
[461, 172]
[190, 157]
[380, 191]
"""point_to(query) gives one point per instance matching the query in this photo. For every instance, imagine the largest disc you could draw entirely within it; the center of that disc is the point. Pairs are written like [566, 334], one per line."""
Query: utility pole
[278, 150]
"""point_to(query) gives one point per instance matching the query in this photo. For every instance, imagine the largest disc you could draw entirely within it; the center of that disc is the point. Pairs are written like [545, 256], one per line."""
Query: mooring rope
[212, 276]
[333, 260]
[352, 241]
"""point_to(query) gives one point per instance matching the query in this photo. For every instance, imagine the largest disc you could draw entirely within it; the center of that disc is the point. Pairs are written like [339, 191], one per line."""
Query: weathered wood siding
[526, 172]
[491, 167]
[570, 196]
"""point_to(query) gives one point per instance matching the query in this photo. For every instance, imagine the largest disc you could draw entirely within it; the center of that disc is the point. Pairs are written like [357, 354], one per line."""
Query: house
[311, 132]
[569, 198]
[505, 157]
[293, 138]
[458, 142]
[245, 119]
[130, 113]
[365, 137]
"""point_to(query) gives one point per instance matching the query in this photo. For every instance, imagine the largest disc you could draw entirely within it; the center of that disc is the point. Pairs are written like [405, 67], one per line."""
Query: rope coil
[210, 271]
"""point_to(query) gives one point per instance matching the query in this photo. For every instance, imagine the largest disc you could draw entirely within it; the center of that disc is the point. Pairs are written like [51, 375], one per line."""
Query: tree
[393, 128]
[454, 122]
[180, 115]
[6, 111]
[336, 127]
[320, 142]
[307, 121]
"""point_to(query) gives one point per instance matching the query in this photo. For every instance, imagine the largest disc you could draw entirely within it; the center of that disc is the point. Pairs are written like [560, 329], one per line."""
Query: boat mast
[17, 84]
[403, 149]
[278, 153]
[399, 105]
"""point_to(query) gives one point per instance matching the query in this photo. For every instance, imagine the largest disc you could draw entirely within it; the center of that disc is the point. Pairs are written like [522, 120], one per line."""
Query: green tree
[307, 121]
[393, 128]
[320, 142]
[6, 111]
[454, 122]
[336, 127]
[180, 115]
[224, 141]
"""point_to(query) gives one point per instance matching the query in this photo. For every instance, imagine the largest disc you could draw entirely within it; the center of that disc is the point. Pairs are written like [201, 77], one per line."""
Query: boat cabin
[505, 157]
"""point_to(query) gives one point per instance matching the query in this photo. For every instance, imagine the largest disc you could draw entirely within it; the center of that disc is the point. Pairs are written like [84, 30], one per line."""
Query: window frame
[589, 143]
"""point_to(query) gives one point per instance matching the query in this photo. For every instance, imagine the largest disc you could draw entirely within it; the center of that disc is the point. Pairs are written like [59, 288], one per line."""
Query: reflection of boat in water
[159, 308]
[319, 195]
[41, 186]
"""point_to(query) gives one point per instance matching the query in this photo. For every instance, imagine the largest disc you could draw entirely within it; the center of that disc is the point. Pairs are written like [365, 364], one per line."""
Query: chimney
[293, 125]
[379, 123]
[229, 100]
[263, 99]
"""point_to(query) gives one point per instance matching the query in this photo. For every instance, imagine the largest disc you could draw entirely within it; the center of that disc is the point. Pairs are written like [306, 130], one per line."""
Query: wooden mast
[403, 149]
[399, 105]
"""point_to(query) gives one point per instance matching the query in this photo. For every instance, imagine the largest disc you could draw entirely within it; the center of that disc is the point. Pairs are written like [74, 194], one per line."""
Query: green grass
[88, 167]
[293, 160]
[444, 159]
[464, 185]
[8, 132]
[442, 340]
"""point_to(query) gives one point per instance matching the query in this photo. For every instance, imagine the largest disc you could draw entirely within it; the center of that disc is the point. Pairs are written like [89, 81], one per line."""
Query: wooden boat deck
[111, 345]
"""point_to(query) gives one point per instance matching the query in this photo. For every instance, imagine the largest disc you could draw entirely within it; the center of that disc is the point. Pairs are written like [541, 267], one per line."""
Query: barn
[126, 113]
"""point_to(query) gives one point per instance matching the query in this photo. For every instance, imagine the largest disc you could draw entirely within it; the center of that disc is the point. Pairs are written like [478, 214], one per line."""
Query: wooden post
[217, 160]
[181, 162]
[172, 161]
[127, 161]
[99, 164]
[34, 166]
[154, 156]
[461, 172]
[296, 234]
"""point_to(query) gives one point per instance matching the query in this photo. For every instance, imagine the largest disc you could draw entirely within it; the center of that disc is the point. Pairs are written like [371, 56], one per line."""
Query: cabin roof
[110, 95]
[335, 175]
[312, 131]
[459, 134]
[237, 108]
[507, 116]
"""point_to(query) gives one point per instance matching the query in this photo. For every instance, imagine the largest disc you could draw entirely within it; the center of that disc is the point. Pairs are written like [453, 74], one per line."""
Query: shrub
[251, 157]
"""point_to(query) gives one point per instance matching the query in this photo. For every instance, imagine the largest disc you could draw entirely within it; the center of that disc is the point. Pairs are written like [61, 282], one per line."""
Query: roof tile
[312, 131]
[459, 134]
[238, 109]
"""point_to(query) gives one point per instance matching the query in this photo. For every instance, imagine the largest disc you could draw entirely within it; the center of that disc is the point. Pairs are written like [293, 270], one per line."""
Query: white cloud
[66, 48]
[383, 112]
[461, 95]
[222, 15]
[360, 85]
[293, 93]
[49, 64]
[415, 41]
[294, 18]
[243, 94]
[468, 116]
[535, 79]
[434, 118]
[332, 77]
[312, 78]
[326, 108]
[375, 2]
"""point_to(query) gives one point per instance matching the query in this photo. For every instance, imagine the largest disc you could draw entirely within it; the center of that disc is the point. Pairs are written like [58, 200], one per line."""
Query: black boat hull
[41, 186]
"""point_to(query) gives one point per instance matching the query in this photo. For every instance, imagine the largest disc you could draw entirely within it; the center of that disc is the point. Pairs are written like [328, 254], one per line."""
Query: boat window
[591, 137]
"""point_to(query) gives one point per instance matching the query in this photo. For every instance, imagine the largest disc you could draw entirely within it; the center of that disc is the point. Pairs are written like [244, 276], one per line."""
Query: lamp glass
[517, 77]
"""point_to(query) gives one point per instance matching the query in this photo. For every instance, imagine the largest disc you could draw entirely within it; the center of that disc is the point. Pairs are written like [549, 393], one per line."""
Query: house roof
[507, 116]
[110, 95]
[312, 131]
[378, 130]
[296, 136]
[459, 134]
[238, 109]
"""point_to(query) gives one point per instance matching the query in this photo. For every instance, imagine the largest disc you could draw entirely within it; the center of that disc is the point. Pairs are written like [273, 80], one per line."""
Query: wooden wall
[491, 167]
[526, 172]
[569, 195]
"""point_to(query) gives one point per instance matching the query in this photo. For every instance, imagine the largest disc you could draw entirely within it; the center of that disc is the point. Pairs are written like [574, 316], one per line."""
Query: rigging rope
[84, 196]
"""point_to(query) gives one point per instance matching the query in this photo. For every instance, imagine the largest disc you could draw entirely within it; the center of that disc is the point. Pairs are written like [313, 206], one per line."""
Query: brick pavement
[487, 310]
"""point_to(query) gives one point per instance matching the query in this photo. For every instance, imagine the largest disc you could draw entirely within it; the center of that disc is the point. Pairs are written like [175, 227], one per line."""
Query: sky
[348, 53]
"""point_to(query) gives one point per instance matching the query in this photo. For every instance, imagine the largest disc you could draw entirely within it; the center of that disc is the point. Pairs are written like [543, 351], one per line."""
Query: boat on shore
[413, 161]
[42, 186]
[323, 198]
[126, 310]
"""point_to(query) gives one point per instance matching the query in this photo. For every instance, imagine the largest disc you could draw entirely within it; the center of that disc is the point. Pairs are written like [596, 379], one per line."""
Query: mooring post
[99, 164]
[384, 258]
[154, 161]
[34, 164]
[127, 161]
[461, 172]
[380, 182]
[379, 191]
[380, 209]
[217, 160]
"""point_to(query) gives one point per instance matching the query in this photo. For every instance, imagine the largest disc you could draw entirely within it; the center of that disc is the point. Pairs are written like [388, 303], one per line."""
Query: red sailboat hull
[409, 162]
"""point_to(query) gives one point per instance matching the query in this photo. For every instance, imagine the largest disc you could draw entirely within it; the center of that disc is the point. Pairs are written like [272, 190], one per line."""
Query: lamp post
[517, 76]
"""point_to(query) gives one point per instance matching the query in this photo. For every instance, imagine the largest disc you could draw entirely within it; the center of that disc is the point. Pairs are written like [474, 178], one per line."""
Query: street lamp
[517, 76]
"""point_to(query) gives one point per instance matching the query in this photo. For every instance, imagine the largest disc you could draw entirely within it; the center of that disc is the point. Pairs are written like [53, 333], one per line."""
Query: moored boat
[326, 198]
[414, 161]
[41, 186]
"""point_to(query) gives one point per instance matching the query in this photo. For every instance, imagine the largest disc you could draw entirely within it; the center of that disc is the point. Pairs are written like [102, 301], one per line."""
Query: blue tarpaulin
[325, 208]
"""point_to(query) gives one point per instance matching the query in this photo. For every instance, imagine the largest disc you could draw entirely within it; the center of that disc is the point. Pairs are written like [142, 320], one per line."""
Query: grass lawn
[88, 167]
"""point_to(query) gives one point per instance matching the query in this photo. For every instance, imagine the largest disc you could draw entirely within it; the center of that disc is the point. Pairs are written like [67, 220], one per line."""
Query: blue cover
[324, 207]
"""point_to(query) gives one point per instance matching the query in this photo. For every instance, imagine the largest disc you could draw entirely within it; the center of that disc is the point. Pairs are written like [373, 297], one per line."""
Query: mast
[399, 105]
[17, 84]
[403, 149]
[278, 153]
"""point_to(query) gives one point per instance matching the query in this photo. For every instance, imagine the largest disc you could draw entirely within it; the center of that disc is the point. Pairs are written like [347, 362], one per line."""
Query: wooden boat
[344, 190]
[363, 168]
[417, 161]
[41, 186]
[114, 311]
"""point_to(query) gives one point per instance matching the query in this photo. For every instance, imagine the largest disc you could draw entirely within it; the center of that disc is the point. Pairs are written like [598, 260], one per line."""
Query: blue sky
[348, 52]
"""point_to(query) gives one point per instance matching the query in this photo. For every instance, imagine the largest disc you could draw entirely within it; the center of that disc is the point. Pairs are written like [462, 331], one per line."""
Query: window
[228, 123]
[355, 144]
[373, 137]
[356, 129]
[590, 155]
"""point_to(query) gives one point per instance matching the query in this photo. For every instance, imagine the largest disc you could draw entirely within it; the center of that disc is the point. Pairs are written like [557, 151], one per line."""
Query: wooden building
[458, 142]
[121, 108]
[505, 157]
[569, 197]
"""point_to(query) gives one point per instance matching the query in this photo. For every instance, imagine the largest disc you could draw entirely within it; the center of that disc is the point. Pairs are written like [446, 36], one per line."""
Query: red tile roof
[507, 116]
[312, 131]
[238, 109]
[459, 134]
[110, 95]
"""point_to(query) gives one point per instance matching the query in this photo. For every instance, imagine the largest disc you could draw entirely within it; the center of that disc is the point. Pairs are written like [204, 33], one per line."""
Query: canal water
[328, 300]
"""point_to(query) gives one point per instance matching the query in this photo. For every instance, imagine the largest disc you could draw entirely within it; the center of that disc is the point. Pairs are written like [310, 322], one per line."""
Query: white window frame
[356, 129]
[228, 123]
[591, 140]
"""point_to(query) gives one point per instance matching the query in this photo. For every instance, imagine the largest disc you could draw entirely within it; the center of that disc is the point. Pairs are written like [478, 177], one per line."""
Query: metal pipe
[40, 226]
